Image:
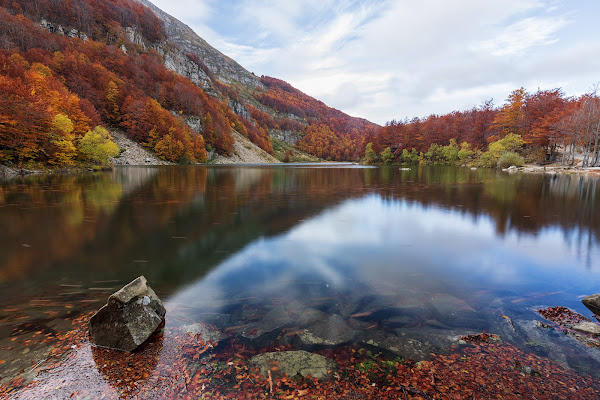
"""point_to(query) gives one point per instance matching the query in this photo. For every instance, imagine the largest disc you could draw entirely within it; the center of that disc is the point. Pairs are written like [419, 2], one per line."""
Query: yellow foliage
[97, 146]
[61, 150]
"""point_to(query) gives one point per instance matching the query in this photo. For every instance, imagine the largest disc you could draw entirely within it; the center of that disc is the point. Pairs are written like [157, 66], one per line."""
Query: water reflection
[388, 245]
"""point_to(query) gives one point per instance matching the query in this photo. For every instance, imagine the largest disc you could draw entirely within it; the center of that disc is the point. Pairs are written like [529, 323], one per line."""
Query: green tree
[434, 155]
[450, 152]
[410, 157]
[97, 146]
[387, 156]
[370, 154]
[465, 154]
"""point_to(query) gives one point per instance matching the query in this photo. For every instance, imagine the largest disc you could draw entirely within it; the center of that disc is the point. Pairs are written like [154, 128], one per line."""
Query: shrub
[509, 159]
[97, 146]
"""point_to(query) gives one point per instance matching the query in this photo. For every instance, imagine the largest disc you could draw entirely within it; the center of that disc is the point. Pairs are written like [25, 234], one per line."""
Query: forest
[58, 89]
[541, 127]
[326, 132]
[72, 71]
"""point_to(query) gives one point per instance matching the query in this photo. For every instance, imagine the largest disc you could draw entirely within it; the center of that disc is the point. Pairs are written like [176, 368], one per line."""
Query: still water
[403, 260]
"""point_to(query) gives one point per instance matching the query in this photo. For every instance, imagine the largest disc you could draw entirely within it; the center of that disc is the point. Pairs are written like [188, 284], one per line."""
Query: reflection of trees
[184, 220]
[44, 218]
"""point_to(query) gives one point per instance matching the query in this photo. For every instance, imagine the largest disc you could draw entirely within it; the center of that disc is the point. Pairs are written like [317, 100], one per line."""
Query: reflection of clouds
[374, 241]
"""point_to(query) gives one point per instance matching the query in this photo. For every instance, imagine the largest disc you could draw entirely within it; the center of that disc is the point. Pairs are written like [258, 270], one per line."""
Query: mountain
[70, 69]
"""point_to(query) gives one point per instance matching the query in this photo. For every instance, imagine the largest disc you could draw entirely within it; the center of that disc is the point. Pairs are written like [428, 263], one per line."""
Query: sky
[388, 60]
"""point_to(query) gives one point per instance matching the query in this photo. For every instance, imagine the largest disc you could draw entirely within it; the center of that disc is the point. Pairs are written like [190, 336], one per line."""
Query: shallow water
[267, 253]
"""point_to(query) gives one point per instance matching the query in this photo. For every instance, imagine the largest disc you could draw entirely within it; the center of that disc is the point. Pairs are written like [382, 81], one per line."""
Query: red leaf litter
[175, 365]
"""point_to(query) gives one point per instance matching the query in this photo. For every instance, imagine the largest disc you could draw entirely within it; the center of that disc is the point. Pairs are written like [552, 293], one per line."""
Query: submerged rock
[206, 332]
[587, 327]
[274, 320]
[455, 312]
[130, 316]
[331, 332]
[593, 303]
[294, 363]
[406, 347]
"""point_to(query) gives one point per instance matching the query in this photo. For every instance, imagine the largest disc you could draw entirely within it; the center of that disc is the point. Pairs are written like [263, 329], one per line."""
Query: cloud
[521, 36]
[391, 59]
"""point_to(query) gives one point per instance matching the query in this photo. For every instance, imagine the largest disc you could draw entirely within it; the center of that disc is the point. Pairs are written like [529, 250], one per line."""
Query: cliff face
[223, 67]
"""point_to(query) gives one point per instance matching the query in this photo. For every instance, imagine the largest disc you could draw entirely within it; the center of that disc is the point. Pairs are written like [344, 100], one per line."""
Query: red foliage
[94, 80]
[177, 365]
[31, 97]
[321, 141]
[257, 135]
[337, 142]
[562, 315]
[101, 20]
[263, 119]
[473, 126]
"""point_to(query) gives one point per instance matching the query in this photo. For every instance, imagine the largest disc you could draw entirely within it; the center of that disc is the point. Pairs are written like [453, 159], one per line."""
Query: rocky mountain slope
[289, 112]
[128, 66]
[187, 41]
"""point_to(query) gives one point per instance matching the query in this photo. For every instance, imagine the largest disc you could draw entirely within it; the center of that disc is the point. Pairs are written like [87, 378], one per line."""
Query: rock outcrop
[6, 172]
[129, 318]
[58, 29]
[132, 153]
[188, 41]
[289, 137]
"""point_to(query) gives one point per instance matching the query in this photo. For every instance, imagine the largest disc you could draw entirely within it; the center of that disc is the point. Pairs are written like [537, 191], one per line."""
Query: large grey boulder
[131, 315]
[294, 363]
[593, 303]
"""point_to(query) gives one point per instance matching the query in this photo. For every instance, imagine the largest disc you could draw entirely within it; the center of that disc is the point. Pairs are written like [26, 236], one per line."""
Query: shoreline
[553, 170]
[7, 172]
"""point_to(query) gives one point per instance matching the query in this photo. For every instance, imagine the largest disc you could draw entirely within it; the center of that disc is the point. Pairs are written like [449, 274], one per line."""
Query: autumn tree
[511, 118]
[60, 148]
[97, 146]
[542, 110]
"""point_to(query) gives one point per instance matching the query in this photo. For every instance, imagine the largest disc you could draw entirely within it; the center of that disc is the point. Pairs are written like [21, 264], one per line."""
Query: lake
[398, 261]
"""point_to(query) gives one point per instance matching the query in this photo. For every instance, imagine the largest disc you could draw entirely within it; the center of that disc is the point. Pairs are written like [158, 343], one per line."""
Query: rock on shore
[129, 318]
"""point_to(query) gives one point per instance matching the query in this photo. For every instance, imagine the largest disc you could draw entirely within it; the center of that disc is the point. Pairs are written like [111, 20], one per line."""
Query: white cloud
[521, 36]
[389, 59]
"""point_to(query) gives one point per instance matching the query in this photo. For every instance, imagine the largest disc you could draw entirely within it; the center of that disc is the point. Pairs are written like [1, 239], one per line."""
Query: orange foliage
[30, 100]
[342, 134]
[91, 82]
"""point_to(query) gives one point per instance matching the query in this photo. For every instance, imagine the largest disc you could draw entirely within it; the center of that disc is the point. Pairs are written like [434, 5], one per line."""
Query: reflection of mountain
[175, 224]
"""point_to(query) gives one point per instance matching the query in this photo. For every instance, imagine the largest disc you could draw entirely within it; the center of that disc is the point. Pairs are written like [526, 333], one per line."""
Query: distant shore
[557, 169]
